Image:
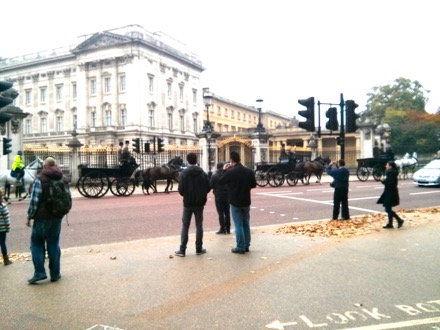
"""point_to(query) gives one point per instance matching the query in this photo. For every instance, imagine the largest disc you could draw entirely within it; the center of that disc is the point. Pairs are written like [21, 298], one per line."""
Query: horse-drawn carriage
[374, 166]
[290, 170]
[122, 180]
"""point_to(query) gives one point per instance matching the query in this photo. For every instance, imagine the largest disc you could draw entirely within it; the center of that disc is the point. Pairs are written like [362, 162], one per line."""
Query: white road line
[426, 192]
[398, 325]
[319, 202]
[363, 198]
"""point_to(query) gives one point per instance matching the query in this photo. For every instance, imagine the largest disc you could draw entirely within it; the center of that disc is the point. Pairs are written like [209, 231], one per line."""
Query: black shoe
[388, 226]
[179, 253]
[247, 249]
[220, 232]
[55, 278]
[227, 231]
[235, 250]
[201, 251]
[400, 223]
[35, 279]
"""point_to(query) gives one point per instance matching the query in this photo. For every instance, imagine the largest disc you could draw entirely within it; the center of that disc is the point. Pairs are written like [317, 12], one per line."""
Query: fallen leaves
[357, 226]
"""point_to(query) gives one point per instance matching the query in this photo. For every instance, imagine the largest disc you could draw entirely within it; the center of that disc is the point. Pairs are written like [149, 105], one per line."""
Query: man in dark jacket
[194, 187]
[47, 227]
[240, 181]
[341, 178]
[221, 201]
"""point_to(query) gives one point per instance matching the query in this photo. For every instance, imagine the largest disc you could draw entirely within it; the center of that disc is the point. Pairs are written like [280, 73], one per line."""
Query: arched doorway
[237, 144]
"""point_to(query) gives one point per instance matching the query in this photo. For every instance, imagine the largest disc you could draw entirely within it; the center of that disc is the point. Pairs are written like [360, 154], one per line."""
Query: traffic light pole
[342, 132]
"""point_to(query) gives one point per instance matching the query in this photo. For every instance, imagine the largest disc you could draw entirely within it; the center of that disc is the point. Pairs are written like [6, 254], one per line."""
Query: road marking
[398, 325]
[319, 202]
[426, 192]
[363, 198]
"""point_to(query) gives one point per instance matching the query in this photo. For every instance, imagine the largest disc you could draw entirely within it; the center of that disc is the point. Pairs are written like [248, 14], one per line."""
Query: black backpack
[59, 201]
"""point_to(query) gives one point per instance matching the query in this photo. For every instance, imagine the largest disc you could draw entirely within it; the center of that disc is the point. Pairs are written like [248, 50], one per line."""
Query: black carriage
[374, 166]
[96, 182]
[275, 174]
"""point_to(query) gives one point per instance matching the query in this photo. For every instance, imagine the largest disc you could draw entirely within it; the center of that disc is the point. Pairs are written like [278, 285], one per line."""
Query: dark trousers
[340, 199]
[391, 215]
[186, 222]
[224, 214]
[3, 243]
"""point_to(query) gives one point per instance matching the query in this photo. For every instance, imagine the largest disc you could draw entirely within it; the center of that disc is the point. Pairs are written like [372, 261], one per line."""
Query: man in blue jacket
[341, 177]
[240, 181]
[194, 187]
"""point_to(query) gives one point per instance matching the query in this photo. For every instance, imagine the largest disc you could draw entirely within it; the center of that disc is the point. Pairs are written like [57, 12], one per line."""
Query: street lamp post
[207, 128]
[260, 128]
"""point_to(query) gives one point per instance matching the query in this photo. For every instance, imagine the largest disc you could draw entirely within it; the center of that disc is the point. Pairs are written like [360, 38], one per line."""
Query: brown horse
[168, 172]
[315, 167]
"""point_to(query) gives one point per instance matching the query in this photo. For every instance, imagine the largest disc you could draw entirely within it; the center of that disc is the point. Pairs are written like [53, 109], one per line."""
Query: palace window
[28, 96]
[195, 96]
[59, 123]
[170, 121]
[59, 92]
[150, 83]
[28, 126]
[108, 118]
[93, 119]
[92, 87]
[107, 85]
[43, 95]
[123, 117]
[122, 83]
[151, 118]
[43, 125]
[74, 91]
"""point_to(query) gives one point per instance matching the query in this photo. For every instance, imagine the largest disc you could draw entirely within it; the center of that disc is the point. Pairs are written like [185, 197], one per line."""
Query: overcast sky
[280, 51]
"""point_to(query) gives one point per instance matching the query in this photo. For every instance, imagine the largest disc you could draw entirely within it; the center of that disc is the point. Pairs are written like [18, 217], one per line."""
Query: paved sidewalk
[141, 285]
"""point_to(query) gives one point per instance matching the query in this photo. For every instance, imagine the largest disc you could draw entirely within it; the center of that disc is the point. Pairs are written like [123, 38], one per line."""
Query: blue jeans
[46, 234]
[241, 217]
[186, 222]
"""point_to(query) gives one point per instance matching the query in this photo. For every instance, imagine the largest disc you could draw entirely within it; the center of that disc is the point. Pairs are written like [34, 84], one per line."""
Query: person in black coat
[194, 188]
[390, 195]
[221, 201]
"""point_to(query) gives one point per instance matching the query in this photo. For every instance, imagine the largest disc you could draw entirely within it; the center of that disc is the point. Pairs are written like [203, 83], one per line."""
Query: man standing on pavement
[194, 187]
[341, 177]
[240, 181]
[46, 228]
[221, 201]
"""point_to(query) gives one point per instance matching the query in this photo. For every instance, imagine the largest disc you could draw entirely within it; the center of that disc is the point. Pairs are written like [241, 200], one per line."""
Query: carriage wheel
[114, 187]
[261, 178]
[292, 178]
[79, 186]
[378, 171]
[125, 186]
[275, 177]
[362, 173]
[95, 184]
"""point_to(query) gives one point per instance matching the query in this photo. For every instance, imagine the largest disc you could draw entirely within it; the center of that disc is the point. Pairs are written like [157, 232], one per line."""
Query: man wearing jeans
[240, 181]
[47, 227]
[194, 187]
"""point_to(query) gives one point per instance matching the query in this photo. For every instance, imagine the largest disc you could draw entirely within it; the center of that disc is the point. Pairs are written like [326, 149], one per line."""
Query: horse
[315, 167]
[30, 174]
[407, 163]
[169, 172]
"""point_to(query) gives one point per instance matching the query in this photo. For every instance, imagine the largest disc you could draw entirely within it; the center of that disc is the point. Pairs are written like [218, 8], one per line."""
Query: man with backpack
[50, 201]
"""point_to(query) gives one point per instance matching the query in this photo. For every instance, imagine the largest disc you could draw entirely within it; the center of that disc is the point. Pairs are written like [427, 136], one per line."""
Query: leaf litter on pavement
[361, 225]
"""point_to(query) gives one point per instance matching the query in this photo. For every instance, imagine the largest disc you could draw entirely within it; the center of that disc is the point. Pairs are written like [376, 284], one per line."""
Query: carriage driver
[18, 166]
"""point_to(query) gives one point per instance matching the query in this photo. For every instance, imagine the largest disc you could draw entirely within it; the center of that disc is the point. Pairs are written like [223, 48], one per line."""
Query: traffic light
[332, 123]
[309, 114]
[160, 145]
[351, 116]
[4, 101]
[147, 147]
[136, 145]
[7, 146]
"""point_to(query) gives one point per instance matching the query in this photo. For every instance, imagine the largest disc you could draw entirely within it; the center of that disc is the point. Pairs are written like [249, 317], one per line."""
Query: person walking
[194, 188]
[221, 201]
[390, 195]
[18, 167]
[240, 181]
[341, 177]
[5, 226]
[46, 227]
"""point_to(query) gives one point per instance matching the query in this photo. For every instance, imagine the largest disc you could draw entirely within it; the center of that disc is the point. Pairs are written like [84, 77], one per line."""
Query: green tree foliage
[403, 94]
[402, 106]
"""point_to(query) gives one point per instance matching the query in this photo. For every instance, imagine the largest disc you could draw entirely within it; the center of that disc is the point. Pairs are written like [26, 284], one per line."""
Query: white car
[429, 175]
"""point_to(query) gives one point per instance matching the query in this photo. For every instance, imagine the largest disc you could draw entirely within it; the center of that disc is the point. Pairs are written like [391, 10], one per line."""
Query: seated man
[18, 166]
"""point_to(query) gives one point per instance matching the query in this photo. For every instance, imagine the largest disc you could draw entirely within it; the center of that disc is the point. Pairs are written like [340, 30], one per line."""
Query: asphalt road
[120, 219]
